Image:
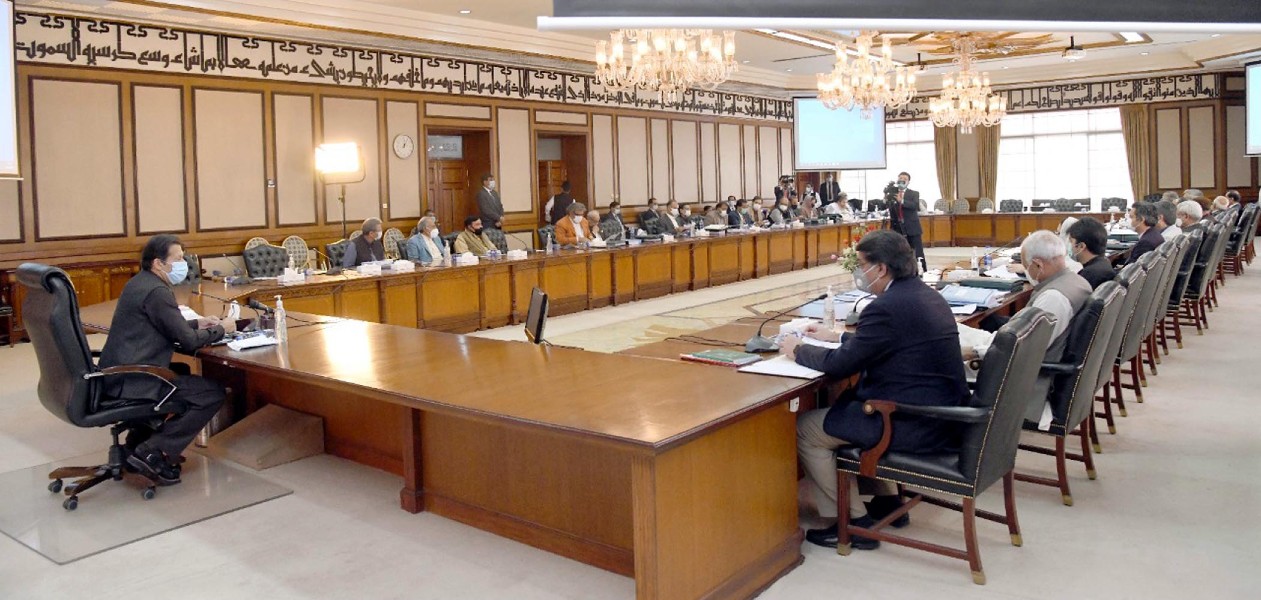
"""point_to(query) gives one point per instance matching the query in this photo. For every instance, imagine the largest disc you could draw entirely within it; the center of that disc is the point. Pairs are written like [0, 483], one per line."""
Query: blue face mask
[179, 271]
[902, 185]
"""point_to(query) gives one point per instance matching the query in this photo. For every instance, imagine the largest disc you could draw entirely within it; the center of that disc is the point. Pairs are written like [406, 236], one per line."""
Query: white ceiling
[510, 26]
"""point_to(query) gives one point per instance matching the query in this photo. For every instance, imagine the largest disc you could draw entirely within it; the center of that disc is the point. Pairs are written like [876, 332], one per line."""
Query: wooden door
[448, 193]
[552, 173]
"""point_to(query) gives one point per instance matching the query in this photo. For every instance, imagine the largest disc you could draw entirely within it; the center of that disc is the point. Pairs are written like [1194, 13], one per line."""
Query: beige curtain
[946, 142]
[1135, 126]
[987, 139]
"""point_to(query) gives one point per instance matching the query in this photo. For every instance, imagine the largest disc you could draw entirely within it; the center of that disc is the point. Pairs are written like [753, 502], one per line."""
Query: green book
[722, 357]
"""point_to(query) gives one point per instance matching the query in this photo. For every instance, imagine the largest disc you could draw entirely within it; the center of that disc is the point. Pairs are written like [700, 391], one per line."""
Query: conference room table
[678, 475]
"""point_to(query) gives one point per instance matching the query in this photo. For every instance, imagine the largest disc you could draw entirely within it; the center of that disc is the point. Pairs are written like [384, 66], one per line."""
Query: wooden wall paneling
[653, 272]
[354, 120]
[567, 118]
[632, 161]
[293, 118]
[565, 280]
[623, 277]
[750, 184]
[603, 175]
[730, 163]
[231, 178]
[1238, 166]
[458, 111]
[708, 152]
[1202, 147]
[681, 266]
[768, 158]
[399, 301]
[525, 277]
[77, 163]
[685, 168]
[450, 300]
[401, 118]
[158, 130]
[516, 171]
[496, 292]
[1168, 147]
[600, 279]
[786, 157]
[10, 211]
[968, 164]
[659, 152]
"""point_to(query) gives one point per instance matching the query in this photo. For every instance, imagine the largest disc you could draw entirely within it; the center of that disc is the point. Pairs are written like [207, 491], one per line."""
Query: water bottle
[547, 243]
[829, 311]
[988, 260]
[976, 259]
[282, 321]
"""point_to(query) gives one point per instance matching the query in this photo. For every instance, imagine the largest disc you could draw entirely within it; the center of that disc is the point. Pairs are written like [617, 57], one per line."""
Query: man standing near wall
[489, 205]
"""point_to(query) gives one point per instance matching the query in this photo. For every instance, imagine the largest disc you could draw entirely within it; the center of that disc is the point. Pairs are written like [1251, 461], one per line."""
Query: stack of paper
[962, 294]
[783, 367]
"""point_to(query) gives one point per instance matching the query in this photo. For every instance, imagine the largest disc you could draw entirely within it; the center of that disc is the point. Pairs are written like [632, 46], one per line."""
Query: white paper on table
[966, 309]
[784, 367]
[1002, 273]
[188, 313]
[809, 341]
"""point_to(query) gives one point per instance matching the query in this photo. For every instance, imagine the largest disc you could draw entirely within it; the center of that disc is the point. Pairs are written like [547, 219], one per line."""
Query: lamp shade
[339, 162]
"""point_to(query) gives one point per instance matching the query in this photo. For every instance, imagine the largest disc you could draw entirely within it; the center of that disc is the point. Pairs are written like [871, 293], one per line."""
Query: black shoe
[153, 464]
[828, 537]
[883, 506]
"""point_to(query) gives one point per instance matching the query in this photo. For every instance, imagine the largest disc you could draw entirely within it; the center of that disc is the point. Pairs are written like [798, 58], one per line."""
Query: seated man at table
[573, 228]
[717, 215]
[146, 329]
[1145, 220]
[906, 347]
[472, 239]
[1088, 245]
[593, 223]
[1167, 220]
[423, 246]
[1190, 216]
[366, 247]
[672, 221]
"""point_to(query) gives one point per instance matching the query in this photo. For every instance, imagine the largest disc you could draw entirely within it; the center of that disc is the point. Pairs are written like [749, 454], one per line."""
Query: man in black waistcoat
[560, 204]
[367, 247]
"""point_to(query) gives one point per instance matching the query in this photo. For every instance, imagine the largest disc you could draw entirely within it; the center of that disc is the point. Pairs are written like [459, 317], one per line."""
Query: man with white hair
[1190, 214]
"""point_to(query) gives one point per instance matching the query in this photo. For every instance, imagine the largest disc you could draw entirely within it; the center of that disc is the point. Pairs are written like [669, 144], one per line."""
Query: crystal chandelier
[867, 82]
[667, 61]
[966, 100]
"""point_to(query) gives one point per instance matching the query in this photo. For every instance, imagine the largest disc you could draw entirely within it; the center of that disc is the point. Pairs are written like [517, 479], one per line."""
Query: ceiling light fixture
[465, 11]
[1144, 53]
[666, 61]
[1074, 52]
[1216, 35]
[966, 100]
[867, 82]
[1132, 37]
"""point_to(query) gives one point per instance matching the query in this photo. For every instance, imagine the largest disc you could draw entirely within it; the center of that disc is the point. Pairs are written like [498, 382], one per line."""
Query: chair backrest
[1173, 252]
[1182, 276]
[983, 204]
[1251, 232]
[1010, 206]
[942, 206]
[1062, 205]
[1247, 220]
[255, 242]
[1152, 263]
[960, 207]
[855, 204]
[1133, 278]
[265, 261]
[546, 233]
[699, 221]
[392, 239]
[1073, 394]
[497, 237]
[1006, 379]
[1119, 203]
[335, 252]
[354, 234]
[298, 250]
[611, 231]
[449, 240]
[875, 205]
[1200, 273]
[402, 251]
[50, 313]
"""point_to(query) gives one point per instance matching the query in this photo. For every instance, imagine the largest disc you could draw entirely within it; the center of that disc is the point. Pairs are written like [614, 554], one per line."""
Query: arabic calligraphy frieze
[98, 42]
[1199, 86]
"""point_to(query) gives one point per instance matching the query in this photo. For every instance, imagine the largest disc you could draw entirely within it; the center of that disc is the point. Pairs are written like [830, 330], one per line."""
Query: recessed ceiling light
[745, 62]
[1216, 35]
[1144, 53]
[465, 11]
[1132, 37]
[1004, 66]
[789, 70]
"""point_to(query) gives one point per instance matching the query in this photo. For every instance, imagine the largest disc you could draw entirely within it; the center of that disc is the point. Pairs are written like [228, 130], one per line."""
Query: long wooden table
[680, 476]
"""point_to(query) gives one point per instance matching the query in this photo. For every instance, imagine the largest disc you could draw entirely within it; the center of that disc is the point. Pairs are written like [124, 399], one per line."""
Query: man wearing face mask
[488, 203]
[829, 191]
[741, 216]
[717, 216]
[672, 222]
[906, 348]
[904, 217]
[1088, 241]
[472, 239]
[783, 213]
[423, 246]
[367, 247]
[146, 329]
[573, 228]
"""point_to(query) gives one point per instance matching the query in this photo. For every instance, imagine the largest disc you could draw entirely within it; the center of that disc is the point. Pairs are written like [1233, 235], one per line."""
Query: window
[1066, 154]
[909, 147]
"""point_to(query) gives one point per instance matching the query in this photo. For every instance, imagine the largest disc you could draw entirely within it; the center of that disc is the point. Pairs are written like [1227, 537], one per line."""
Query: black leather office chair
[1132, 278]
[855, 205]
[1011, 206]
[1194, 307]
[547, 234]
[875, 205]
[612, 231]
[1170, 321]
[449, 240]
[1173, 259]
[1062, 205]
[1180, 248]
[1118, 203]
[1240, 238]
[402, 251]
[990, 430]
[1076, 379]
[71, 386]
[497, 237]
[7, 314]
[335, 252]
[1131, 352]
[265, 261]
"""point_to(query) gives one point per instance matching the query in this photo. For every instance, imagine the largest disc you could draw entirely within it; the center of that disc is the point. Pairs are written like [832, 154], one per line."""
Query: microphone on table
[260, 307]
[332, 269]
[760, 343]
[529, 245]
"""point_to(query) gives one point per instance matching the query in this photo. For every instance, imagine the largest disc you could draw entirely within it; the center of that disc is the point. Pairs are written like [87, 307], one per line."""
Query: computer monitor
[536, 318]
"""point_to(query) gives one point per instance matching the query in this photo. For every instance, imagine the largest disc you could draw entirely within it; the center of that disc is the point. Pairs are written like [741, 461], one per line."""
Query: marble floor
[1172, 514]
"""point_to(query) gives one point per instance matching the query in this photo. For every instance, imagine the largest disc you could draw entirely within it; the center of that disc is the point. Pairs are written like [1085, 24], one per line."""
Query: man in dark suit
[740, 215]
[1089, 242]
[558, 206]
[904, 217]
[614, 214]
[829, 191]
[488, 203]
[1144, 218]
[146, 329]
[366, 247]
[906, 347]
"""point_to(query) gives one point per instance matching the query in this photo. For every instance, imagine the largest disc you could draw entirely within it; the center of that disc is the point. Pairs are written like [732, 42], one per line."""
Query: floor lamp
[340, 163]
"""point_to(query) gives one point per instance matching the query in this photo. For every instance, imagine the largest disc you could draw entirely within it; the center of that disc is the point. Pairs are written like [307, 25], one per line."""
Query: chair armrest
[870, 458]
[1059, 369]
[162, 373]
[961, 414]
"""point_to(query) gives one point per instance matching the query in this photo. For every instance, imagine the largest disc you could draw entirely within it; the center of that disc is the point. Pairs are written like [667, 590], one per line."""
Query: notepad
[726, 358]
[782, 366]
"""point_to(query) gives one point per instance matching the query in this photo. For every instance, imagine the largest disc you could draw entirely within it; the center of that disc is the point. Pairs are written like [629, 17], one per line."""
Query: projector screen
[8, 98]
[1252, 143]
[837, 139]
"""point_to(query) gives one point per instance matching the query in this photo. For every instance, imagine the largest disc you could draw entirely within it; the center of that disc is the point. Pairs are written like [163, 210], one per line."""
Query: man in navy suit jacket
[1144, 217]
[906, 348]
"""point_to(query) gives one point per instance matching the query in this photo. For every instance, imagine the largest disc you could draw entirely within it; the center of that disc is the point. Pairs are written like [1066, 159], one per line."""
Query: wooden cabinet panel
[450, 300]
[565, 281]
[601, 279]
[525, 277]
[399, 302]
[700, 265]
[724, 261]
[653, 276]
[973, 230]
[681, 266]
[799, 249]
[361, 302]
[1026, 224]
[92, 285]
[780, 251]
[623, 277]
[762, 256]
[496, 296]
[828, 244]
[748, 257]
[317, 301]
[1005, 230]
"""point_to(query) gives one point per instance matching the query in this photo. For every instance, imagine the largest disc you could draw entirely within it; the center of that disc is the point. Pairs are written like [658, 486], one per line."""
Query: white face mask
[434, 234]
[1034, 281]
[687, 213]
[783, 207]
[674, 211]
[577, 219]
[861, 282]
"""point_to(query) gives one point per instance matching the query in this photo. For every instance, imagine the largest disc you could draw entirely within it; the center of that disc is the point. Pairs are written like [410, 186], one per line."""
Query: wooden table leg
[411, 497]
